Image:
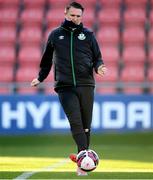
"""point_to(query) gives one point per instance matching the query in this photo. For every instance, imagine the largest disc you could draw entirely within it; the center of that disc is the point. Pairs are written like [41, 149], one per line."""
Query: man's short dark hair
[75, 5]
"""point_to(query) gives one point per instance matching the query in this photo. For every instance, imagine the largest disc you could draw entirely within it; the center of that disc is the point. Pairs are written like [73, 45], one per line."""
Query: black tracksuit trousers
[77, 103]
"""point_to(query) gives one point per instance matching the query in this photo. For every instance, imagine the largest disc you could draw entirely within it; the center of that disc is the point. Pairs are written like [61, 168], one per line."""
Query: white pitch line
[26, 175]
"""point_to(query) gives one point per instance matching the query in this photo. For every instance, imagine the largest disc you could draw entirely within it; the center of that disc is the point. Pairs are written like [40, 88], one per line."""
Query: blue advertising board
[43, 114]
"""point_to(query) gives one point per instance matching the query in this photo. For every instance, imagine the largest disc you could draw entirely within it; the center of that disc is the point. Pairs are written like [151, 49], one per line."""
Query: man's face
[74, 15]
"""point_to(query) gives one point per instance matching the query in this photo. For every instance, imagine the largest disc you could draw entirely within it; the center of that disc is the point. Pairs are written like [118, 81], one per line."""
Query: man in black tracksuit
[74, 53]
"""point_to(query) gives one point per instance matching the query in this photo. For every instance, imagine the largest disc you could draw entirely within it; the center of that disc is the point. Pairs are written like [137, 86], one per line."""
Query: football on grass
[87, 160]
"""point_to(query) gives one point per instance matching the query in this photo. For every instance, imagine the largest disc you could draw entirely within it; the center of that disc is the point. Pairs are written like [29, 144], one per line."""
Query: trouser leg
[86, 97]
[71, 105]
[78, 106]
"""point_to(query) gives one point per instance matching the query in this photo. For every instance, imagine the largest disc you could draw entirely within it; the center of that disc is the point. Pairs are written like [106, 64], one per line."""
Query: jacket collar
[69, 25]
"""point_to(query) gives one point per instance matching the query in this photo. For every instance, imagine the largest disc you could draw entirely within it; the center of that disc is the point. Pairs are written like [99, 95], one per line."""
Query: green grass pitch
[122, 156]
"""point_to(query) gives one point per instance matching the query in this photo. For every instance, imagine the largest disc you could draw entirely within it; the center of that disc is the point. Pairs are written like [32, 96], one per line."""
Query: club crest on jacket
[81, 36]
[61, 37]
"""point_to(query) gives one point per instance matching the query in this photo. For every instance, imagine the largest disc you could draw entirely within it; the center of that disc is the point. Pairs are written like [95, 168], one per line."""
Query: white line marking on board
[26, 175]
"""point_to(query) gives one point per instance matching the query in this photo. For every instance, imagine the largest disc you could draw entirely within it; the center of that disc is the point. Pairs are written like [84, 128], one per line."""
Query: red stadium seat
[58, 4]
[132, 74]
[136, 4]
[110, 16]
[110, 3]
[108, 35]
[8, 16]
[111, 55]
[30, 36]
[134, 55]
[55, 17]
[34, 3]
[7, 55]
[135, 17]
[32, 17]
[26, 74]
[7, 36]
[9, 3]
[134, 36]
[29, 56]
[87, 4]
[7, 74]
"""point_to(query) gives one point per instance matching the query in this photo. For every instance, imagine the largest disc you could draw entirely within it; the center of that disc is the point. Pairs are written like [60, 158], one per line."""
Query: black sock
[81, 141]
[88, 138]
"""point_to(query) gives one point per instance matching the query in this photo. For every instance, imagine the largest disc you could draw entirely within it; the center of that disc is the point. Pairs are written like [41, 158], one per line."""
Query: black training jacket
[74, 52]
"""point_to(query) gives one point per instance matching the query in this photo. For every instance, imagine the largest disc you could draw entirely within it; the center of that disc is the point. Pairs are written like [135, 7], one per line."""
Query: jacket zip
[72, 60]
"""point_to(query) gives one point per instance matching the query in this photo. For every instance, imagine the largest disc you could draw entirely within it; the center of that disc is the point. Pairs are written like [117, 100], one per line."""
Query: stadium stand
[110, 4]
[134, 55]
[136, 4]
[7, 56]
[54, 17]
[6, 79]
[7, 36]
[7, 74]
[111, 77]
[88, 4]
[32, 17]
[135, 17]
[23, 78]
[30, 36]
[133, 75]
[108, 35]
[123, 28]
[111, 53]
[34, 3]
[59, 4]
[109, 16]
[134, 35]
[8, 16]
[9, 3]
[29, 56]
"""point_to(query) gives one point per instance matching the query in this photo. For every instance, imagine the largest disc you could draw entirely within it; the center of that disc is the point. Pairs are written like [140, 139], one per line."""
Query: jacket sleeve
[97, 56]
[46, 60]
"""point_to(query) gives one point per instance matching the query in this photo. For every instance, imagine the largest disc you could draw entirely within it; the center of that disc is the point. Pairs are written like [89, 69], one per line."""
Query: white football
[87, 160]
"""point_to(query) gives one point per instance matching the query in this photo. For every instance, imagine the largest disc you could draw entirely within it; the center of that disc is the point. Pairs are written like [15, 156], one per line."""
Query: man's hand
[102, 70]
[35, 82]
